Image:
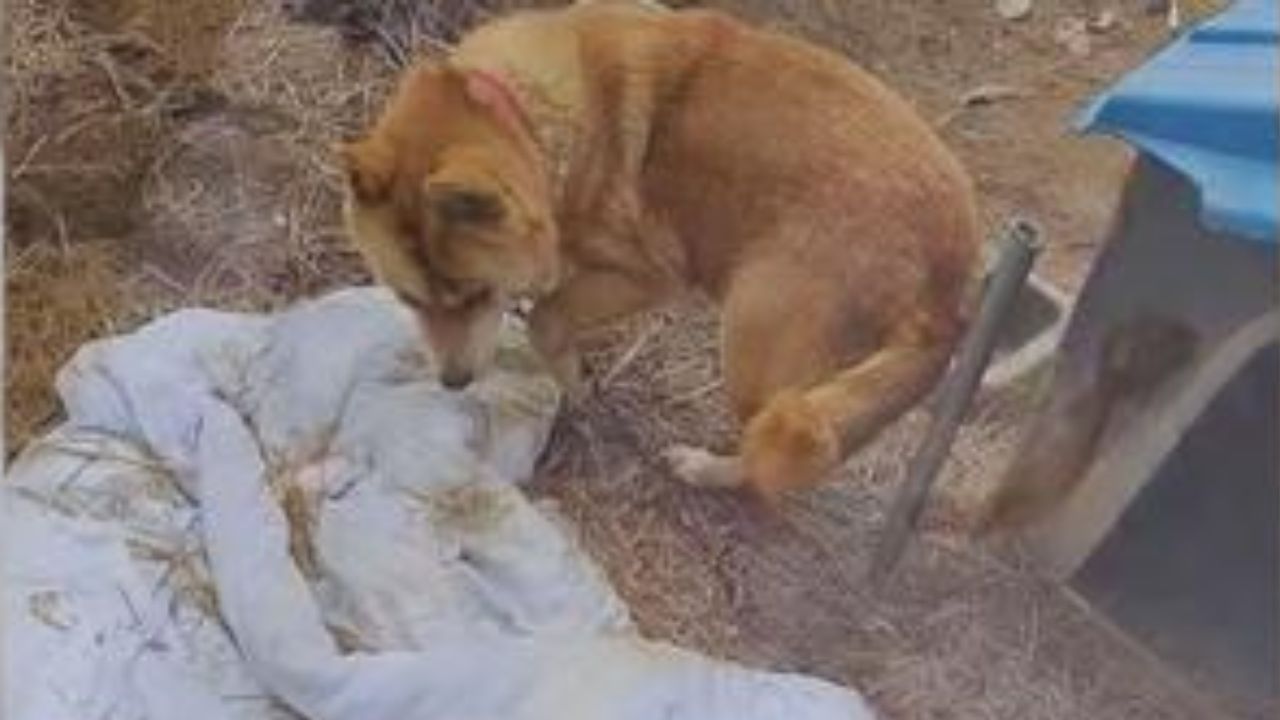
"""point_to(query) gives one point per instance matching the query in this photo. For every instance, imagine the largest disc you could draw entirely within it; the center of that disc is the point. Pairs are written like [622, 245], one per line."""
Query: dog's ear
[369, 167]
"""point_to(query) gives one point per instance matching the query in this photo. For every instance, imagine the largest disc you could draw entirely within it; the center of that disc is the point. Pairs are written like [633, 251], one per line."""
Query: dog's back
[773, 145]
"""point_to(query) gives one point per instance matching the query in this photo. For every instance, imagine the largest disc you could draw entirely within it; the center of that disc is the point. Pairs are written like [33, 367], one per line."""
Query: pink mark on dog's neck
[493, 92]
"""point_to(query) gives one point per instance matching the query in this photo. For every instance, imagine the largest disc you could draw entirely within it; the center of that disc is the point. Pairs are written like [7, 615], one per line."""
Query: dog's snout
[456, 379]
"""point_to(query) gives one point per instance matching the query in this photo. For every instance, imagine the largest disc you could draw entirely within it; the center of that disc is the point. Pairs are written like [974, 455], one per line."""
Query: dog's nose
[456, 379]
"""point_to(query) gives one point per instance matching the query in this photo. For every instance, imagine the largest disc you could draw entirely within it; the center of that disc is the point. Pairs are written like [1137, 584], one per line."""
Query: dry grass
[189, 142]
[960, 632]
[57, 300]
[156, 163]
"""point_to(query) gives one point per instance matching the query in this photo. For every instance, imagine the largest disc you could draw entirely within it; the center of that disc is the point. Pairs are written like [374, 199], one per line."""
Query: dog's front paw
[554, 345]
[702, 468]
[567, 369]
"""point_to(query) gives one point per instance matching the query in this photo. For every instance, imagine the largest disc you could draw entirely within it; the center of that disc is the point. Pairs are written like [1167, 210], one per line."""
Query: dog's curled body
[624, 152]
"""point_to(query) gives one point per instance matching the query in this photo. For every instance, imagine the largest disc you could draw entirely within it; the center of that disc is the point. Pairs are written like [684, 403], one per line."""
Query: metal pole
[1020, 243]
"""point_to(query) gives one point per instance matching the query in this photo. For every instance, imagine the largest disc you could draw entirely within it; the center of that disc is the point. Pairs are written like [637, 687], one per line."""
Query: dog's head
[448, 204]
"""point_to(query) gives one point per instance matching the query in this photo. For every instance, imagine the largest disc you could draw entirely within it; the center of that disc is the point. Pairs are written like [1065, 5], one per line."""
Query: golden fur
[599, 158]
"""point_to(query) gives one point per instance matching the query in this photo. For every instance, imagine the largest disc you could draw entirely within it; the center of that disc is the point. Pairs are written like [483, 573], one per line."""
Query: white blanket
[257, 517]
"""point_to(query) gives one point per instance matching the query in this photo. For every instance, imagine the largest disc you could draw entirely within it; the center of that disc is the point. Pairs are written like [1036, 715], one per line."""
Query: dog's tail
[800, 435]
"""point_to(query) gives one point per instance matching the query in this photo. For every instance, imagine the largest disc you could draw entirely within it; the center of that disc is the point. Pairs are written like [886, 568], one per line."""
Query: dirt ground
[161, 154]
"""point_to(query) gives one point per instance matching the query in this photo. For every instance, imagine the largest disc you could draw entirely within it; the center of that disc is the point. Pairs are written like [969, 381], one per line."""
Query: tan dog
[601, 157]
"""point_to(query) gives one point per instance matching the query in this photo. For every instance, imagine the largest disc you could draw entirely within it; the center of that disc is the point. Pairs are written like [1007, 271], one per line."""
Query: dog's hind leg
[801, 435]
[777, 332]
[805, 399]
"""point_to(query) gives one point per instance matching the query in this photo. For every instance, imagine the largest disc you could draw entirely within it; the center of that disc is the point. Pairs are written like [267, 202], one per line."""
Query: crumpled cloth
[251, 516]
